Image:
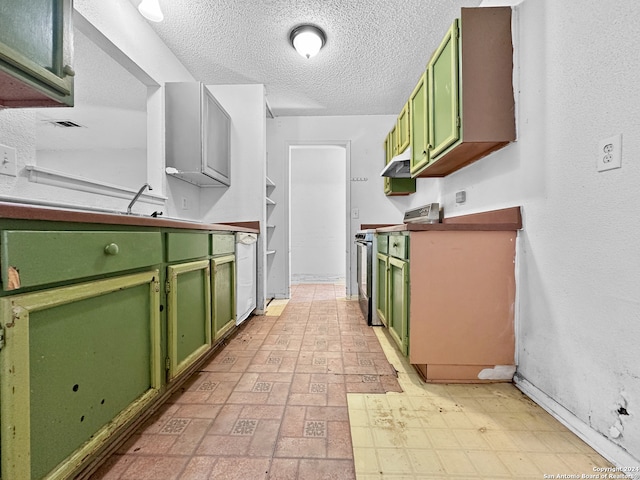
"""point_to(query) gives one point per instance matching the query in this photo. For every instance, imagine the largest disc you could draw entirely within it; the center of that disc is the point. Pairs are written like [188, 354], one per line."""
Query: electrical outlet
[185, 203]
[8, 161]
[610, 153]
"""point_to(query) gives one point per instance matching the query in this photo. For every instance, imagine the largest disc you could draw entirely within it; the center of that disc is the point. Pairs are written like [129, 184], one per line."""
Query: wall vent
[65, 124]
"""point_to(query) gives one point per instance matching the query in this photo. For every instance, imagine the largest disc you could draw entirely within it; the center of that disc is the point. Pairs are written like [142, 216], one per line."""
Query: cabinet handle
[111, 249]
[68, 71]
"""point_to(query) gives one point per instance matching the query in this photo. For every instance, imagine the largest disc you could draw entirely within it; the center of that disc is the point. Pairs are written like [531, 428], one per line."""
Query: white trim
[56, 178]
[601, 444]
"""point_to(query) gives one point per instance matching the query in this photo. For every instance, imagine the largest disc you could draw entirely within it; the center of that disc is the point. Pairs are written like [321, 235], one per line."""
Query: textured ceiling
[375, 52]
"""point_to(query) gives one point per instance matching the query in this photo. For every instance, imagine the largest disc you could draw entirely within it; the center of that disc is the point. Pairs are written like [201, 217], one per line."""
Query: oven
[366, 275]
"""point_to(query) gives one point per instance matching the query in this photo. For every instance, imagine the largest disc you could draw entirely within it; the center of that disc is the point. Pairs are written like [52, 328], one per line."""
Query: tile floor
[310, 392]
[486, 431]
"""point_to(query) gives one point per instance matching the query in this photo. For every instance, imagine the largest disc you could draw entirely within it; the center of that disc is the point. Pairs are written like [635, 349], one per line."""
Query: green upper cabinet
[419, 125]
[402, 129]
[470, 104]
[444, 114]
[36, 53]
[396, 186]
[388, 155]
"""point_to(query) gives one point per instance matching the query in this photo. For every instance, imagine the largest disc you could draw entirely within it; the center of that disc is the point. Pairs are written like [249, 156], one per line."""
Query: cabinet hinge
[458, 122]
[167, 287]
[1, 337]
[167, 363]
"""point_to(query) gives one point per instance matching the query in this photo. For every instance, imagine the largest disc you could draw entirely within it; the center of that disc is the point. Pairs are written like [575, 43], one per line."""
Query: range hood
[399, 166]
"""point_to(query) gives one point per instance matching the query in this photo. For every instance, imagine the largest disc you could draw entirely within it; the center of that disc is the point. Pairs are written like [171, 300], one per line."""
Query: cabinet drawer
[383, 243]
[31, 258]
[399, 246]
[223, 243]
[183, 246]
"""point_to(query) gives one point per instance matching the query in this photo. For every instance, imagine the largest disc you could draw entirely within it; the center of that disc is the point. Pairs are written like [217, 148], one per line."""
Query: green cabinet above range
[462, 107]
[399, 135]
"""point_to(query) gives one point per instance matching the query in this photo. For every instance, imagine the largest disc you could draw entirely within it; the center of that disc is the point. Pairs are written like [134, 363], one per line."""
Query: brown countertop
[495, 220]
[33, 212]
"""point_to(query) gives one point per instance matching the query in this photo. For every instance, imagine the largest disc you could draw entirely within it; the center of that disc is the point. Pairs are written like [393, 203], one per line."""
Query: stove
[366, 275]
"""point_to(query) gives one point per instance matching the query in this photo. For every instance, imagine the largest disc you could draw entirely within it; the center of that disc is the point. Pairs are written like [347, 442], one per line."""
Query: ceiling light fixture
[307, 39]
[150, 9]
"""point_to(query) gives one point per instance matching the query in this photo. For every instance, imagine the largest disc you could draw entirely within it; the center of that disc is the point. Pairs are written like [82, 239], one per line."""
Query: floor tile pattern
[432, 431]
[309, 392]
[272, 403]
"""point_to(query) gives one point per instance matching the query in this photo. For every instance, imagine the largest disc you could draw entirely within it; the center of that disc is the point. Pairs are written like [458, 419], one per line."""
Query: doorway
[318, 214]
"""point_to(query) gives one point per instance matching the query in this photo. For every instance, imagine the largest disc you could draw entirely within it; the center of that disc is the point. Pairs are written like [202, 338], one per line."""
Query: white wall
[141, 50]
[317, 210]
[578, 318]
[244, 200]
[365, 135]
[579, 307]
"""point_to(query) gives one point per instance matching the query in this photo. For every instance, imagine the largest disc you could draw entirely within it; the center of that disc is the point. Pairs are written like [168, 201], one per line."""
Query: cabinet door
[381, 285]
[419, 122]
[396, 186]
[390, 145]
[216, 137]
[35, 49]
[79, 362]
[402, 128]
[398, 307]
[443, 102]
[188, 313]
[223, 294]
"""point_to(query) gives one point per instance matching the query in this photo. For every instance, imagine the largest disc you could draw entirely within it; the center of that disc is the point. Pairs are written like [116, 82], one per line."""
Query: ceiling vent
[65, 124]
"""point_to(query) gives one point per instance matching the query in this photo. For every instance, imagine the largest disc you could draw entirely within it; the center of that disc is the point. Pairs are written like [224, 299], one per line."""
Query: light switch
[355, 213]
[8, 162]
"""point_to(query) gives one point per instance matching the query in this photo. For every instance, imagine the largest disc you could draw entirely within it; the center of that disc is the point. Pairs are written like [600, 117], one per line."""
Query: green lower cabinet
[398, 302]
[79, 362]
[188, 314]
[382, 293]
[223, 294]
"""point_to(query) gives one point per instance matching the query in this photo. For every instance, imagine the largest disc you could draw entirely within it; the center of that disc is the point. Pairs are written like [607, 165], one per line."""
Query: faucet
[135, 199]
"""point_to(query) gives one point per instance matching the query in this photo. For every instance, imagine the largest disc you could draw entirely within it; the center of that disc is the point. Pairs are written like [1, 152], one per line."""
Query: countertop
[494, 220]
[33, 212]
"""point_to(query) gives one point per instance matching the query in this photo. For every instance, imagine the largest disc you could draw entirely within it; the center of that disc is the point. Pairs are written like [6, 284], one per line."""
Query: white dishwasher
[246, 266]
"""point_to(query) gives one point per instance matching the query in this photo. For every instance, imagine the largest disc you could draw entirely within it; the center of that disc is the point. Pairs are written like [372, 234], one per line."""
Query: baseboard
[615, 454]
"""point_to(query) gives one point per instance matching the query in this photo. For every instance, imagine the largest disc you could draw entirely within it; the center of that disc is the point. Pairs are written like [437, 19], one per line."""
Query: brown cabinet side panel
[487, 72]
[462, 298]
